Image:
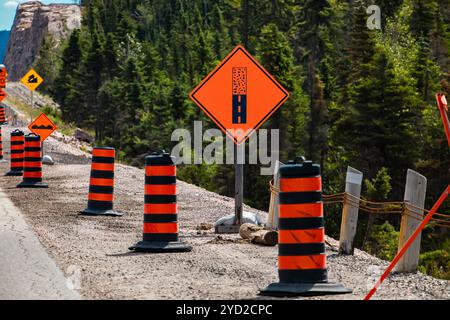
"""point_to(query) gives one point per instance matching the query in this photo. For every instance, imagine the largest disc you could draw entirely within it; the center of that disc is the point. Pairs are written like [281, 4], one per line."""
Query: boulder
[247, 217]
[47, 160]
[83, 136]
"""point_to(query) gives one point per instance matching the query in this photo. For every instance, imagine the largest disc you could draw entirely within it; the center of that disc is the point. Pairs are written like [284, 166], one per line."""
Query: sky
[8, 10]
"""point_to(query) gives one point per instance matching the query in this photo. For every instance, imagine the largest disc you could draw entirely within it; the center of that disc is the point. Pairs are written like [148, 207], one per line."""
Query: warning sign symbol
[32, 79]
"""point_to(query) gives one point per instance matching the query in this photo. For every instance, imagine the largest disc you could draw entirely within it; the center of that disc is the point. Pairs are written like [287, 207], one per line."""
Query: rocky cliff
[33, 22]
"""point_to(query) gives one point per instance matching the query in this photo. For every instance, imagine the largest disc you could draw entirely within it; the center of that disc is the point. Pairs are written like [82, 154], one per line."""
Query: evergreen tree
[314, 18]
[67, 80]
[382, 120]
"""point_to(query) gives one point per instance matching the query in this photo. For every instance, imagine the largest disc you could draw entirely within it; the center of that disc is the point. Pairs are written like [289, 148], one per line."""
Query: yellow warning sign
[32, 80]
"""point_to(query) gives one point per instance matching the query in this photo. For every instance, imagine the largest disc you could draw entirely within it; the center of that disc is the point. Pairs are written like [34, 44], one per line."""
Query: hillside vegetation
[358, 97]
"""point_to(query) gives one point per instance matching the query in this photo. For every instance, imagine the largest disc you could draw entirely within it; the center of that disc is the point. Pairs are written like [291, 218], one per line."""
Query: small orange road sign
[32, 80]
[42, 126]
[3, 95]
[239, 95]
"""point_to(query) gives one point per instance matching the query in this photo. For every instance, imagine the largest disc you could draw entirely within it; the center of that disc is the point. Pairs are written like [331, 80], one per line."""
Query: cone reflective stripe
[302, 265]
[32, 164]
[160, 228]
[3, 115]
[101, 183]
[17, 150]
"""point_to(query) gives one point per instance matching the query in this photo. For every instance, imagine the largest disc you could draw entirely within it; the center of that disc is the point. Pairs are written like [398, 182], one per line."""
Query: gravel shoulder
[216, 268]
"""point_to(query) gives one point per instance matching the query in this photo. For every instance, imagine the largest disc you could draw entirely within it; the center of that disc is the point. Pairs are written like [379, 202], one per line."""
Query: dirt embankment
[215, 269]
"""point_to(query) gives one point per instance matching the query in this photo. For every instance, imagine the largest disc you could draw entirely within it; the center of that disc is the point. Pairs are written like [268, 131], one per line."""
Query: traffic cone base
[303, 289]
[29, 184]
[160, 247]
[94, 212]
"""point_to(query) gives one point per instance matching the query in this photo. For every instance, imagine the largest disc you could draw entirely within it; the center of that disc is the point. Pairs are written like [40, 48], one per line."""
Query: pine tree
[92, 69]
[48, 63]
[314, 18]
[221, 41]
[276, 54]
[381, 122]
[67, 81]
[318, 131]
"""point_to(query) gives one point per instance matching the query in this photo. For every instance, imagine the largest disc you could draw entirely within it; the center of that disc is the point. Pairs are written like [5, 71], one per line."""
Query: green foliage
[378, 188]
[383, 241]
[48, 64]
[436, 263]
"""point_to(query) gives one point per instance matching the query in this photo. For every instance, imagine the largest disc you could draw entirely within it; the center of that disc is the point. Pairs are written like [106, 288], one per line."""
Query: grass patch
[24, 108]
[55, 116]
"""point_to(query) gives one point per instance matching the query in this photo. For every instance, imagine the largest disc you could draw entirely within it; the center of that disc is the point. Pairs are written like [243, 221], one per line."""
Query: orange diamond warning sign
[239, 95]
[42, 126]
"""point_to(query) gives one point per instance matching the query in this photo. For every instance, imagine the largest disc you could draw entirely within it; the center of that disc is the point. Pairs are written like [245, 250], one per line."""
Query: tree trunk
[258, 235]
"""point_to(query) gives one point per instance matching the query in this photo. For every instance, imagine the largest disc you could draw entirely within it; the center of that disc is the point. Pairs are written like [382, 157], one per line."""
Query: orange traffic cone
[301, 239]
[32, 165]
[101, 184]
[3, 115]
[17, 149]
[160, 208]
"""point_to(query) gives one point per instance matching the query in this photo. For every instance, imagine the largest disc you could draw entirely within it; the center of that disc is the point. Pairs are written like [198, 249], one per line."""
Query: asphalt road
[26, 270]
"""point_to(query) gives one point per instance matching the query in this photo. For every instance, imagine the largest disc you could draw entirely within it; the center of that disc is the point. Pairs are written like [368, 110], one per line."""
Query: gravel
[222, 267]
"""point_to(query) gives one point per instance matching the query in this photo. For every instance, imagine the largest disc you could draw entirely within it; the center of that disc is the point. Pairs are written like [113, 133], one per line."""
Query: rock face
[33, 22]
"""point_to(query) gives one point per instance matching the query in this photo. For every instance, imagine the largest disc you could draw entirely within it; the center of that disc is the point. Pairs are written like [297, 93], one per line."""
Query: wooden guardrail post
[272, 221]
[349, 221]
[415, 191]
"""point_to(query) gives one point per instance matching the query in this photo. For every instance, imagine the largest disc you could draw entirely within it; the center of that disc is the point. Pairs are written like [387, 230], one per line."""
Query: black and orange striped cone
[3, 115]
[160, 208]
[1, 146]
[17, 150]
[32, 164]
[101, 184]
[301, 239]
